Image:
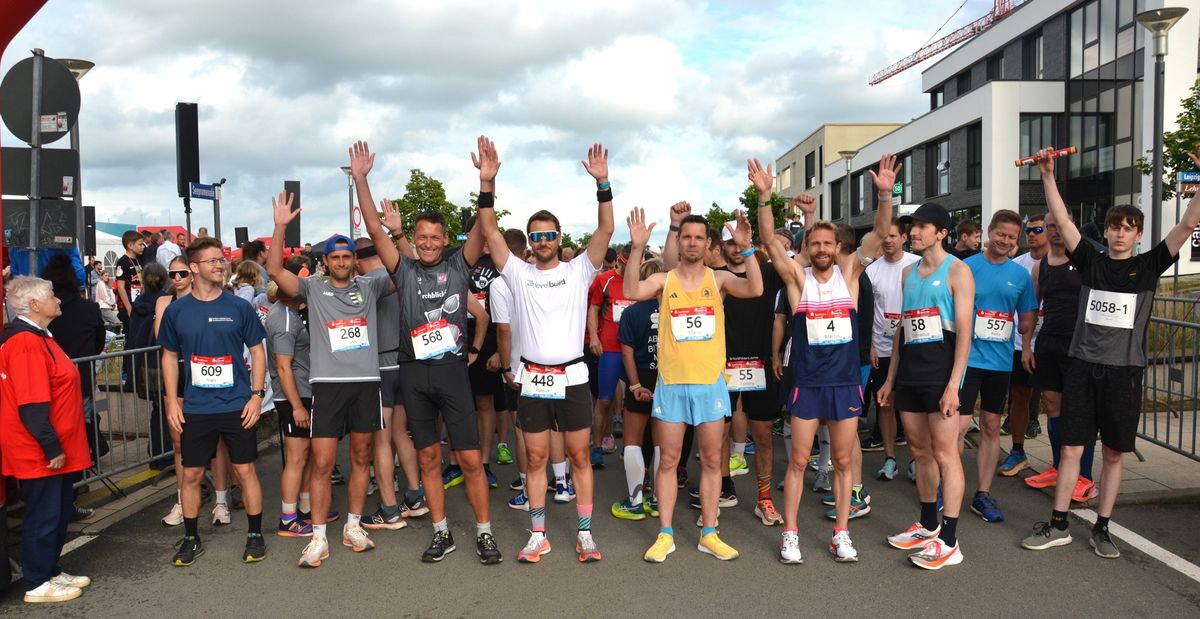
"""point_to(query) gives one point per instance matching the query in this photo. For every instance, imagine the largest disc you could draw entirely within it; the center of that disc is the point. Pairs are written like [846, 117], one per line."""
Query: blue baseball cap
[338, 242]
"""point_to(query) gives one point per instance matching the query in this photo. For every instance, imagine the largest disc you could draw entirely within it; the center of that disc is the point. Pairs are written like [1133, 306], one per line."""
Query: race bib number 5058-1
[1111, 309]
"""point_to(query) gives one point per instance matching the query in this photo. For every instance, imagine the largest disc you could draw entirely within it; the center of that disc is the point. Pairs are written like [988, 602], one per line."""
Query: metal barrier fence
[1169, 412]
[125, 424]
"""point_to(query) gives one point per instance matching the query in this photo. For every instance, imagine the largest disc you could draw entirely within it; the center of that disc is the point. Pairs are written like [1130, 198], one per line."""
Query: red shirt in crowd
[608, 293]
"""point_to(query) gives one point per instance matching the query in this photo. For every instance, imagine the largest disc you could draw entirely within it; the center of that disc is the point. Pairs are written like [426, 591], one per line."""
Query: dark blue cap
[338, 242]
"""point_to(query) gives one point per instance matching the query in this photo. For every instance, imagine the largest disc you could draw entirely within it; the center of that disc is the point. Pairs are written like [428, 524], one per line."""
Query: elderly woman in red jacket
[43, 443]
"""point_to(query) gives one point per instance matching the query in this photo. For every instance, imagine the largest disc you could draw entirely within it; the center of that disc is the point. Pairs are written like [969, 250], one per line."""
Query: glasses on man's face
[179, 274]
[213, 262]
[538, 237]
[1034, 229]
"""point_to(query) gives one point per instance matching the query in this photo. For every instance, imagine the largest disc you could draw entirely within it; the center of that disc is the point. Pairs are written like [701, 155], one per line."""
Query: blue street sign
[200, 191]
[461, 237]
[1189, 177]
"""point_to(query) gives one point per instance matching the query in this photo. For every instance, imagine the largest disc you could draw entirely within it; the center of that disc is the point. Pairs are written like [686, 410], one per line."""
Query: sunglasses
[212, 262]
[179, 274]
[1034, 229]
[538, 237]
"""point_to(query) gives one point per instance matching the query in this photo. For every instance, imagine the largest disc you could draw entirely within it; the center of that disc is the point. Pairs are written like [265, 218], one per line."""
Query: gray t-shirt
[343, 323]
[433, 309]
[389, 326]
[288, 335]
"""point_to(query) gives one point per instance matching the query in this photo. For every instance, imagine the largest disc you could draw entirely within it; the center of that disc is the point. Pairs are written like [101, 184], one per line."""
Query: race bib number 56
[212, 372]
[693, 323]
[348, 334]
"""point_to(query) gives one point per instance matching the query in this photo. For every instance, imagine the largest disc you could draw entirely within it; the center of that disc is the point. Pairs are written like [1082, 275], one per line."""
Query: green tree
[1176, 144]
[717, 216]
[567, 241]
[425, 193]
[749, 200]
[584, 239]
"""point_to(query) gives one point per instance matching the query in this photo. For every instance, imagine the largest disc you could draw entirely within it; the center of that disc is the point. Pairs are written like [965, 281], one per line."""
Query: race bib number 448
[542, 382]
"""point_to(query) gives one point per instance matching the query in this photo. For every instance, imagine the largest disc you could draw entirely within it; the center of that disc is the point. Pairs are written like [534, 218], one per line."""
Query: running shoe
[314, 553]
[491, 479]
[1013, 464]
[516, 484]
[336, 478]
[1034, 429]
[858, 508]
[751, 449]
[503, 454]
[585, 547]
[887, 472]
[1045, 479]
[1103, 545]
[681, 476]
[821, 483]
[520, 502]
[372, 486]
[861, 496]
[294, 528]
[452, 476]
[872, 443]
[1085, 490]
[51, 591]
[355, 538]
[332, 516]
[381, 520]
[1046, 536]
[842, 548]
[66, 580]
[256, 548]
[789, 548]
[173, 518]
[608, 444]
[597, 458]
[700, 520]
[441, 545]
[650, 506]
[985, 506]
[627, 511]
[486, 550]
[777, 427]
[564, 494]
[765, 511]
[186, 551]
[694, 492]
[914, 537]
[901, 440]
[415, 507]
[663, 545]
[912, 471]
[738, 465]
[712, 545]
[1004, 429]
[935, 555]
[537, 546]
[220, 515]
[728, 498]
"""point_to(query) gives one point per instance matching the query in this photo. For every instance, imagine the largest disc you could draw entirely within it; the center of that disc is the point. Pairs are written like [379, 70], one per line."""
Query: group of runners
[408, 344]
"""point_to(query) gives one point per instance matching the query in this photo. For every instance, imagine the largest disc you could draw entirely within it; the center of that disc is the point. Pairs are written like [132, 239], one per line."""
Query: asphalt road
[129, 564]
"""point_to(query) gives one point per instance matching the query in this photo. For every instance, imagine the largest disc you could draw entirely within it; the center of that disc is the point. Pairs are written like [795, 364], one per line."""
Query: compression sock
[1052, 428]
[584, 512]
[949, 533]
[537, 519]
[635, 472]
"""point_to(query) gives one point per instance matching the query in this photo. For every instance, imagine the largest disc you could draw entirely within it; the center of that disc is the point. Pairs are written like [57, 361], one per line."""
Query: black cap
[930, 212]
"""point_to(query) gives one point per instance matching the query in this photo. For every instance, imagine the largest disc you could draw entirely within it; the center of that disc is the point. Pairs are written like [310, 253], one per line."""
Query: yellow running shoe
[711, 544]
[663, 546]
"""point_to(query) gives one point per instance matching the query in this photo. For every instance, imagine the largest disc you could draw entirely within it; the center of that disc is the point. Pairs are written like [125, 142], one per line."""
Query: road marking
[1171, 559]
[77, 543]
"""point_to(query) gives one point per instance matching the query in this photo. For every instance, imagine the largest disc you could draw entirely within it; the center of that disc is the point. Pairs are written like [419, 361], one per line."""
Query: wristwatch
[261, 393]
[473, 350]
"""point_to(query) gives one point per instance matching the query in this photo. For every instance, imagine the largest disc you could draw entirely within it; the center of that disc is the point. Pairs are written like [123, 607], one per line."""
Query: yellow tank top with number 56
[691, 332]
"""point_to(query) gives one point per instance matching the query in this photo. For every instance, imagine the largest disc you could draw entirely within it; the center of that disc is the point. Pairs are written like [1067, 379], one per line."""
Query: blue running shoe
[597, 458]
[750, 448]
[1013, 464]
[491, 479]
[520, 502]
[564, 494]
[451, 476]
[986, 507]
[858, 508]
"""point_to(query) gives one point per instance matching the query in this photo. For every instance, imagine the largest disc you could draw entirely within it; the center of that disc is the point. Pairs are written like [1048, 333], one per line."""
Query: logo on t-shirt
[220, 319]
[356, 297]
[707, 292]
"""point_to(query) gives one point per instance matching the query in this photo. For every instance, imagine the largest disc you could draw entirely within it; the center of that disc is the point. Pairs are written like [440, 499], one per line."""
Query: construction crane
[967, 32]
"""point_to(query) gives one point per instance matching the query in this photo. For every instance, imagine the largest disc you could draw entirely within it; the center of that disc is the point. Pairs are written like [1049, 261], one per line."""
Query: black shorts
[1019, 377]
[593, 366]
[444, 387]
[566, 415]
[1052, 363]
[879, 375]
[389, 388]
[759, 405]
[511, 396]
[287, 423]
[1105, 399]
[919, 398]
[485, 382]
[647, 378]
[990, 386]
[201, 431]
[338, 408]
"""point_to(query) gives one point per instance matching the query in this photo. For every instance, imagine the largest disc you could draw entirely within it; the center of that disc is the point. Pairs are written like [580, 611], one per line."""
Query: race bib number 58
[922, 326]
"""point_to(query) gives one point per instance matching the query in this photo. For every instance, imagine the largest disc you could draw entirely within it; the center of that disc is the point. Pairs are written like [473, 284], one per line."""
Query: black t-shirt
[962, 254]
[748, 321]
[482, 275]
[866, 317]
[130, 272]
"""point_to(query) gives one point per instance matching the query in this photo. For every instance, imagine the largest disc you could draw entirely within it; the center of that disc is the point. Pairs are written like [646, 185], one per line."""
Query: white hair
[22, 289]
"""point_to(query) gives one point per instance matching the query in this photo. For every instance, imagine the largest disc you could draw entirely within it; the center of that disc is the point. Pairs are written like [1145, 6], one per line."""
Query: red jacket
[41, 405]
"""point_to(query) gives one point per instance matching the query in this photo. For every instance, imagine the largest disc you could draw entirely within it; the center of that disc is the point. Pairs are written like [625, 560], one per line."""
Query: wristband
[748, 252]
[486, 200]
[473, 350]
[604, 195]
[604, 185]
[506, 370]
[635, 387]
[673, 228]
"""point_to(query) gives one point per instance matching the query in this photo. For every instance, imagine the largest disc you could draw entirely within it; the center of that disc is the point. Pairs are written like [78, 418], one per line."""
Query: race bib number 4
[828, 327]
[693, 323]
[1111, 309]
[890, 322]
[348, 334]
[993, 326]
[432, 340]
[618, 308]
[746, 375]
[212, 372]
[544, 382]
[922, 326]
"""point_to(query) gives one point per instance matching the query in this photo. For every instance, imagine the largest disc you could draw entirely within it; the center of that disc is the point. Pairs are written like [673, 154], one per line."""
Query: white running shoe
[354, 537]
[173, 518]
[842, 548]
[789, 548]
[51, 591]
[220, 514]
[316, 551]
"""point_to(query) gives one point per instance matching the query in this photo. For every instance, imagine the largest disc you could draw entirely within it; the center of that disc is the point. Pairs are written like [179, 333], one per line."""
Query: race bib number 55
[693, 323]
[746, 375]
[1111, 309]
[348, 334]
[542, 382]
[212, 372]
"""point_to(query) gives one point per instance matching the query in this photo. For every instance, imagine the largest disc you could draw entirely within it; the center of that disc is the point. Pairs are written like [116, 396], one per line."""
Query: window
[820, 162]
[1077, 43]
[785, 178]
[1037, 132]
[906, 177]
[810, 170]
[835, 193]
[995, 67]
[1108, 30]
[937, 160]
[963, 83]
[1031, 56]
[858, 200]
[936, 98]
[975, 156]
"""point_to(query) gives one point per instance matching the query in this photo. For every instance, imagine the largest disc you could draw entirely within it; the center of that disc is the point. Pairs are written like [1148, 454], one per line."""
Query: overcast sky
[681, 93]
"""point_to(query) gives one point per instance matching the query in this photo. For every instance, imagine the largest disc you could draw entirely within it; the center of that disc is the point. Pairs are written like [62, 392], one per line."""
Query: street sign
[1189, 177]
[461, 237]
[1189, 189]
[897, 189]
[59, 101]
[200, 191]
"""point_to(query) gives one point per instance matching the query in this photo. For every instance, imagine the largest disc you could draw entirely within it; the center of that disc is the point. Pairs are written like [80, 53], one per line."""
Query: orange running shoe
[585, 546]
[537, 546]
[1085, 490]
[1045, 479]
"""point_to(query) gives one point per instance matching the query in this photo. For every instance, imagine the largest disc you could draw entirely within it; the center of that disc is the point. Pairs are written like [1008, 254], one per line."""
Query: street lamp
[1158, 22]
[78, 68]
[848, 157]
[350, 196]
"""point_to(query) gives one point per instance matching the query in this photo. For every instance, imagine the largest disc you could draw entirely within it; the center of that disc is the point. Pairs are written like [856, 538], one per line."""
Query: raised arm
[394, 222]
[288, 283]
[1066, 227]
[487, 161]
[361, 162]
[762, 180]
[884, 180]
[597, 166]
[670, 253]
[1182, 231]
[752, 285]
[639, 234]
[808, 206]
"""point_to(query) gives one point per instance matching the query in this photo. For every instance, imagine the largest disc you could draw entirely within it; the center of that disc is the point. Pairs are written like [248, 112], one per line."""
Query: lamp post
[78, 68]
[848, 157]
[216, 209]
[350, 197]
[1158, 22]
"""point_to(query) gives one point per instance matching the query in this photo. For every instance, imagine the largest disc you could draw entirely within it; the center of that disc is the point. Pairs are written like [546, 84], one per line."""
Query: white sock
[305, 504]
[654, 469]
[287, 508]
[352, 520]
[560, 472]
[319, 531]
[522, 479]
[179, 497]
[441, 525]
[823, 463]
[739, 449]
[635, 473]
[223, 496]
[483, 527]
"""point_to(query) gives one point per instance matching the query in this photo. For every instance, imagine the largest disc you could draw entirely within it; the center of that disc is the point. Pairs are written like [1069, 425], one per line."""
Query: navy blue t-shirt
[639, 331]
[209, 337]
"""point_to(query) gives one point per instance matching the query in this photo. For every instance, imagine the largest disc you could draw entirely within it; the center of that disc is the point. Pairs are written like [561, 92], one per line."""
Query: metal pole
[1175, 268]
[1156, 184]
[78, 191]
[350, 199]
[217, 210]
[35, 163]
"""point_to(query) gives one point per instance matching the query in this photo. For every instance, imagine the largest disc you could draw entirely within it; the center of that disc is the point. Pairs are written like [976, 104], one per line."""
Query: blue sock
[1055, 440]
[1085, 462]
[706, 530]
[668, 530]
